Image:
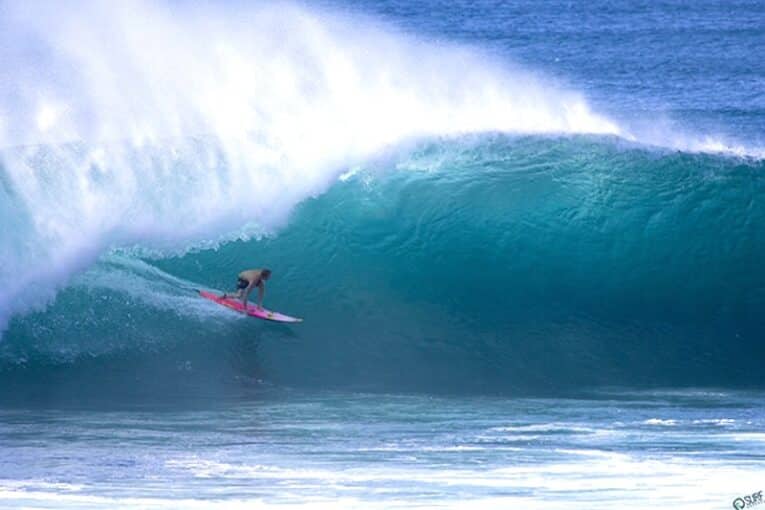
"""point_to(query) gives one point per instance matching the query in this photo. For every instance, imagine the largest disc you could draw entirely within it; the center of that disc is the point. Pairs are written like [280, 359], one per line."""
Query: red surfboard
[252, 310]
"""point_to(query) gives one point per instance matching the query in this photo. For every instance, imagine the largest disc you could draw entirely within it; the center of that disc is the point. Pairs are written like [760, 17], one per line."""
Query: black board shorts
[241, 283]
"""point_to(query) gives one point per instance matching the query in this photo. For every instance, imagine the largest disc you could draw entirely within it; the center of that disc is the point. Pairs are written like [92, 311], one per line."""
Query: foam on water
[385, 451]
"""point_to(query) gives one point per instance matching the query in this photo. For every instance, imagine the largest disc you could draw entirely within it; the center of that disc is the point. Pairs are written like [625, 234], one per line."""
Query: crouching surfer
[247, 280]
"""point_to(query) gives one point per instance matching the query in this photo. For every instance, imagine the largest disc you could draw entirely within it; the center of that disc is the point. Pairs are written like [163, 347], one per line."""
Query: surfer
[246, 281]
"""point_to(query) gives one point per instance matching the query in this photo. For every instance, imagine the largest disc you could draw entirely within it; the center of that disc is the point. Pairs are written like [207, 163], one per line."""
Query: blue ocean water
[525, 237]
[351, 450]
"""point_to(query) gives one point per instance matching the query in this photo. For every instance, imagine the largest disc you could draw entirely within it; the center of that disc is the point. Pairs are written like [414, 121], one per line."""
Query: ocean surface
[526, 239]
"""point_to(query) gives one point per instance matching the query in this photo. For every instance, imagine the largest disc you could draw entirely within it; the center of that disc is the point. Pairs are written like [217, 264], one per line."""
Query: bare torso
[251, 275]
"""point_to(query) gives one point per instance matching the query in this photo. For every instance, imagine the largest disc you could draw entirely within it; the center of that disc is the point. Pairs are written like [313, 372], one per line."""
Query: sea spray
[144, 124]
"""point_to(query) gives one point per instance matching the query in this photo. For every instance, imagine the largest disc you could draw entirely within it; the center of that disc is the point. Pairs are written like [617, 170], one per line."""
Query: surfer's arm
[261, 293]
[246, 294]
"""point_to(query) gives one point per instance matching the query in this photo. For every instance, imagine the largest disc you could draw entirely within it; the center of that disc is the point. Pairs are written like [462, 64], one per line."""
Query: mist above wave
[162, 124]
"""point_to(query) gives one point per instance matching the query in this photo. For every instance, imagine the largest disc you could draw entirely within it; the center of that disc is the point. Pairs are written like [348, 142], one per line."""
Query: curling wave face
[480, 263]
[170, 125]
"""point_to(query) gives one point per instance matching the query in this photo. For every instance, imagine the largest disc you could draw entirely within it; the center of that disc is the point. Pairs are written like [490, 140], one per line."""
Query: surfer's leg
[241, 285]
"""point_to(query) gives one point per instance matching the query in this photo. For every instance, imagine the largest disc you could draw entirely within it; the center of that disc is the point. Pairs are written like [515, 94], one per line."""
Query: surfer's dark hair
[266, 273]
